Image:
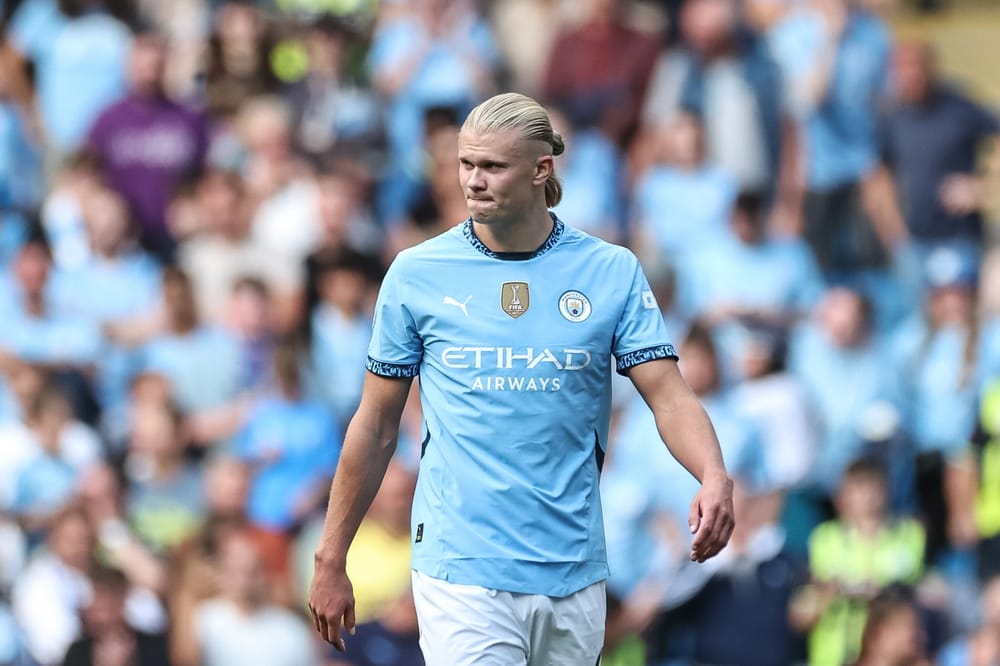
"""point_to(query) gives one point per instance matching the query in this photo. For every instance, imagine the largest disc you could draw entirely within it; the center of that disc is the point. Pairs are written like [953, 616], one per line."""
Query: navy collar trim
[557, 231]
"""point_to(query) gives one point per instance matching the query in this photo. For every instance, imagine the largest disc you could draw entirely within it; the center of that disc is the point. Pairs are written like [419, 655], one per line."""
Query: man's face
[914, 68]
[499, 173]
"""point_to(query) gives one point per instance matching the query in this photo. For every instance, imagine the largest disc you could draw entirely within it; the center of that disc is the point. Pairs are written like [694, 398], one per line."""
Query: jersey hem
[571, 576]
[634, 358]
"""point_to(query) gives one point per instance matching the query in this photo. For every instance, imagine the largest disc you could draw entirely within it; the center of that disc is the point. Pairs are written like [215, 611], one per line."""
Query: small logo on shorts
[514, 298]
[574, 306]
[420, 533]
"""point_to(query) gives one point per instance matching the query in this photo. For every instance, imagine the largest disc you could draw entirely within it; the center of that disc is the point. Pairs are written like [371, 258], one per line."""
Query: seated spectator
[591, 175]
[127, 280]
[279, 182]
[378, 561]
[893, 632]
[391, 639]
[347, 225]
[187, 347]
[45, 481]
[681, 205]
[37, 327]
[107, 638]
[775, 401]
[851, 559]
[101, 496]
[331, 111]
[225, 250]
[841, 363]
[238, 66]
[251, 322]
[713, 284]
[646, 493]
[980, 647]
[292, 444]
[741, 614]
[240, 625]
[341, 328]
[165, 502]
[147, 143]
[48, 598]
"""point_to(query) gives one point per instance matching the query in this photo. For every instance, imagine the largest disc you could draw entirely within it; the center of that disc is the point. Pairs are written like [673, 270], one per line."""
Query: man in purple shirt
[147, 143]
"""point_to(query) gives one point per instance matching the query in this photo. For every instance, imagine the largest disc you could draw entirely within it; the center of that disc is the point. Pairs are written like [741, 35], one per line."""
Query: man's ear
[544, 168]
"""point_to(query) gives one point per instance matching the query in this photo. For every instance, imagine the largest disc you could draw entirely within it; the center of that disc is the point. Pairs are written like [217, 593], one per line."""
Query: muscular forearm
[363, 462]
[688, 433]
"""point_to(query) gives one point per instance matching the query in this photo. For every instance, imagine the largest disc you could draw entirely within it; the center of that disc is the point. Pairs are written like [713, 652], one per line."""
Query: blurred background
[198, 199]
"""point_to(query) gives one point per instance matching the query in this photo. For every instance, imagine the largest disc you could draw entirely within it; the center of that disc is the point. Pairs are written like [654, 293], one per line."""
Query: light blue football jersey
[514, 353]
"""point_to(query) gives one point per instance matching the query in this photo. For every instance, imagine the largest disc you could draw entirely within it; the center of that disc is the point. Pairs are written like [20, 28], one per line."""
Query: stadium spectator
[185, 347]
[723, 73]
[340, 331]
[165, 499]
[935, 354]
[238, 59]
[741, 613]
[79, 52]
[940, 194]
[593, 182]
[332, 113]
[47, 599]
[834, 57]
[981, 646]
[840, 361]
[388, 640]
[429, 53]
[240, 625]
[224, 249]
[147, 144]
[107, 638]
[291, 443]
[713, 285]
[681, 204]
[893, 633]
[851, 559]
[598, 71]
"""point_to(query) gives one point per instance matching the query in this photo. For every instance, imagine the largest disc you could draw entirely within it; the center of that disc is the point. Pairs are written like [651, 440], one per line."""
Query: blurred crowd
[198, 199]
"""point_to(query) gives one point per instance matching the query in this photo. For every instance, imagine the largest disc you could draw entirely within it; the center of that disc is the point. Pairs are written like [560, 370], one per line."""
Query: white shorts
[465, 625]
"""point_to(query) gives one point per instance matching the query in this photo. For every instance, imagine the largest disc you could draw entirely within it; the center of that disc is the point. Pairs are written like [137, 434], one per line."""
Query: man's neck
[526, 234]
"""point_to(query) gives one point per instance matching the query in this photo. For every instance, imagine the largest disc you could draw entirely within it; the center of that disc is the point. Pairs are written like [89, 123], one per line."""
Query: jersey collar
[550, 242]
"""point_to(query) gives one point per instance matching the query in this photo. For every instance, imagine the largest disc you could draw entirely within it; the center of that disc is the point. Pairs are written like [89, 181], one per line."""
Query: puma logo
[448, 300]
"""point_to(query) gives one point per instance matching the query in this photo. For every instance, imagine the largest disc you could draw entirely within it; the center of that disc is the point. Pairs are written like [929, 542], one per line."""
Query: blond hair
[513, 111]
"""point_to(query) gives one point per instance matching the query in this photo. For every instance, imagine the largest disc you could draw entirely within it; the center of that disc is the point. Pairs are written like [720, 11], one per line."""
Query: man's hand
[961, 193]
[331, 600]
[711, 517]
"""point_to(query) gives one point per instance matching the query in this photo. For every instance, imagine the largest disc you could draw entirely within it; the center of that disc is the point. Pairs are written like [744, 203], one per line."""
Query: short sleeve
[396, 347]
[641, 334]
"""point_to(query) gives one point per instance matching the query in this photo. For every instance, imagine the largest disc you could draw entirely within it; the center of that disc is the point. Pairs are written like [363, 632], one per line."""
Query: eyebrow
[485, 161]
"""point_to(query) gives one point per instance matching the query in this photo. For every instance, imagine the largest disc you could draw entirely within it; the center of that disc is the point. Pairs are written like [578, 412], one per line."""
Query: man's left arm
[687, 431]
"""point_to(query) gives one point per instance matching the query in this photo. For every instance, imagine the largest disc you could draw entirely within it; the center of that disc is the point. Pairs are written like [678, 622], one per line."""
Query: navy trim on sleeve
[392, 370]
[633, 359]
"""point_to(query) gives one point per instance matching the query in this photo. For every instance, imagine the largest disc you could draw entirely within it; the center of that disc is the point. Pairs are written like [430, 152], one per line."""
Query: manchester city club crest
[514, 298]
[574, 306]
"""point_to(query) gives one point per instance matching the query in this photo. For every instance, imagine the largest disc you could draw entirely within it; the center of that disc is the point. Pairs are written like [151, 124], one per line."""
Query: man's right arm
[368, 448]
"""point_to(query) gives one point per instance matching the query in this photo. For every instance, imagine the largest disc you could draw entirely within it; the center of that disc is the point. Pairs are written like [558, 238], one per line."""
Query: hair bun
[558, 147]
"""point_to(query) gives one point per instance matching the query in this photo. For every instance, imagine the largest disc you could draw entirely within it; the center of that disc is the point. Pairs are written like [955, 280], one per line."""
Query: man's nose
[476, 180]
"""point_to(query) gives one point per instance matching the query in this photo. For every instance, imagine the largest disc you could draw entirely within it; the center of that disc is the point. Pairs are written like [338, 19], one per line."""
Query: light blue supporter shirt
[514, 353]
